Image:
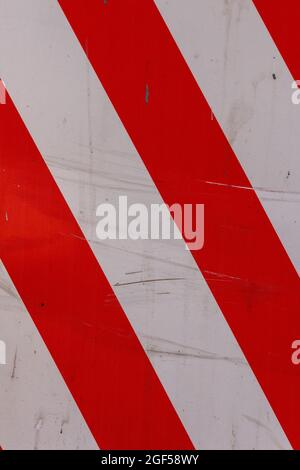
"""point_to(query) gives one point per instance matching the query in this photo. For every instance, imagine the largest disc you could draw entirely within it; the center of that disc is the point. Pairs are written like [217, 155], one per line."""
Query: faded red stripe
[74, 307]
[190, 160]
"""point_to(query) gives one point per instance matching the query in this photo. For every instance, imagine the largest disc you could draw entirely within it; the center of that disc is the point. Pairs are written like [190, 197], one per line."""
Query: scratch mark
[133, 272]
[223, 277]
[183, 350]
[72, 235]
[119, 284]
[254, 188]
[13, 373]
[205, 357]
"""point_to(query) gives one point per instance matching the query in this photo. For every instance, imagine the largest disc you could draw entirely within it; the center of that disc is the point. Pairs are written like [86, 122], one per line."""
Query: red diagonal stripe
[190, 161]
[73, 305]
[282, 21]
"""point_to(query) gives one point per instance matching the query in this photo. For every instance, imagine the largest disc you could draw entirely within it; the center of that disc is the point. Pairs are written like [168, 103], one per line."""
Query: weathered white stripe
[93, 160]
[37, 410]
[249, 89]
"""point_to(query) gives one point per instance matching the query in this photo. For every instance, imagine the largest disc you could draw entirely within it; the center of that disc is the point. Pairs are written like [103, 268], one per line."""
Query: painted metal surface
[159, 286]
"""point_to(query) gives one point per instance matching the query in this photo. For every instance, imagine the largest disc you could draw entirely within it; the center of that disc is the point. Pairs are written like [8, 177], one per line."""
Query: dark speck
[274, 76]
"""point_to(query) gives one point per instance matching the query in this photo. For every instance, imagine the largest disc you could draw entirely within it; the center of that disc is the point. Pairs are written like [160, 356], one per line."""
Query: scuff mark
[239, 115]
[64, 421]
[8, 290]
[233, 437]
[145, 256]
[259, 424]
[147, 94]
[38, 426]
